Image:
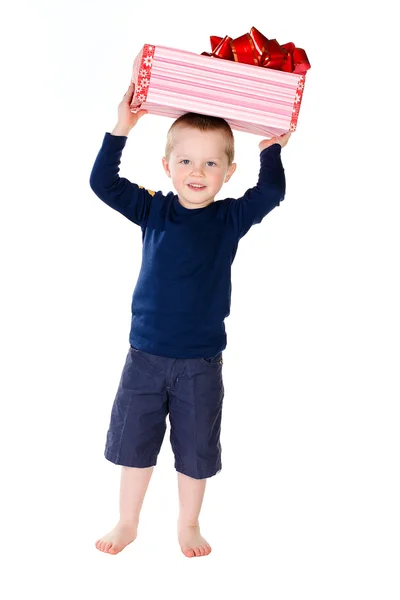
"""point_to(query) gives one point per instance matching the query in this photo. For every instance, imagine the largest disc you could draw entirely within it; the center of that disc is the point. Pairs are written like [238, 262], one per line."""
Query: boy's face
[198, 165]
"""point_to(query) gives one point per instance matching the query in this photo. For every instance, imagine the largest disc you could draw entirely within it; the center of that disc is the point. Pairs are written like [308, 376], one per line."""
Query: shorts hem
[200, 473]
[140, 463]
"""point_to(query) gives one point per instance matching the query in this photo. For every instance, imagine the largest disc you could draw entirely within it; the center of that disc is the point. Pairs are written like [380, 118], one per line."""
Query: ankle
[130, 522]
[187, 522]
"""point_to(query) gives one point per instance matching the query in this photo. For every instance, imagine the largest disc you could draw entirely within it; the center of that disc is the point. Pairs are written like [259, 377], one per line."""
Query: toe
[113, 550]
[188, 552]
[197, 551]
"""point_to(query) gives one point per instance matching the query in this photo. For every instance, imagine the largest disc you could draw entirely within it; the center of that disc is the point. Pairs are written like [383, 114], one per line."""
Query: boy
[182, 296]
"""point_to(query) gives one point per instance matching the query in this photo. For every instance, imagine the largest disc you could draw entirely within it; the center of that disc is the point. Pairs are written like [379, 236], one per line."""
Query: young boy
[182, 296]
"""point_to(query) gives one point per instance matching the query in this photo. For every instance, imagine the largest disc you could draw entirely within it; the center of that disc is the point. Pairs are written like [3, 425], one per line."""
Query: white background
[307, 502]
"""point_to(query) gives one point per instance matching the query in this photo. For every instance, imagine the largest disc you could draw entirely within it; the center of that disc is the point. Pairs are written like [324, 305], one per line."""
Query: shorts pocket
[141, 357]
[213, 360]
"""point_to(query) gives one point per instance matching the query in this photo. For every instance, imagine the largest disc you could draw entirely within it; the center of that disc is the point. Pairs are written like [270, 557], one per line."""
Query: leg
[134, 439]
[191, 493]
[195, 416]
[134, 483]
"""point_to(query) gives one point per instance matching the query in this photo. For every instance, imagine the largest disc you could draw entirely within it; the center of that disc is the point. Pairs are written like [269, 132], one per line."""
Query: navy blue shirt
[183, 292]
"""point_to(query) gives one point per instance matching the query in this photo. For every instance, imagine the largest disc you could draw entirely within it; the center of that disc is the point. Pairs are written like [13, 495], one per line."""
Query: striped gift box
[171, 82]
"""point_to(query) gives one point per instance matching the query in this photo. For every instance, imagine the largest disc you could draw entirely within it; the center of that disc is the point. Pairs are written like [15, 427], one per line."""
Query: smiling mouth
[196, 187]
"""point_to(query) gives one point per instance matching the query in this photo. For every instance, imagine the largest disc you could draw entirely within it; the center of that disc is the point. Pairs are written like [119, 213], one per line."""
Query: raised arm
[270, 190]
[119, 193]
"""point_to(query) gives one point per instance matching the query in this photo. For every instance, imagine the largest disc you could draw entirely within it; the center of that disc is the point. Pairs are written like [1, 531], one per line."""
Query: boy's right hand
[127, 119]
[280, 139]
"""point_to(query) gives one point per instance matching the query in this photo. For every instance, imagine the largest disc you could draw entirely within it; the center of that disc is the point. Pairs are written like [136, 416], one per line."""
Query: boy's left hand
[281, 139]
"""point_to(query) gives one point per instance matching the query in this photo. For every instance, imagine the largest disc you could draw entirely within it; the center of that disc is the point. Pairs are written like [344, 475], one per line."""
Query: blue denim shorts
[190, 390]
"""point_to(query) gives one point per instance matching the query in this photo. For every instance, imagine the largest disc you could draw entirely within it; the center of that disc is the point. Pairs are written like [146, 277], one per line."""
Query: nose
[197, 170]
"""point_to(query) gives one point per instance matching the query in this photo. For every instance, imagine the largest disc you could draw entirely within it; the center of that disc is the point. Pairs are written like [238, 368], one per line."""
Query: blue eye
[209, 163]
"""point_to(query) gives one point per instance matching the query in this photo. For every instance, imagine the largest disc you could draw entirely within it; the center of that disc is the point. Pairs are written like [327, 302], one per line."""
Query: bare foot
[191, 542]
[116, 540]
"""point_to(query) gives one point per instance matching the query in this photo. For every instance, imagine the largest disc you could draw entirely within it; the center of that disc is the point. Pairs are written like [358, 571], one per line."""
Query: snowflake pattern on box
[297, 102]
[143, 81]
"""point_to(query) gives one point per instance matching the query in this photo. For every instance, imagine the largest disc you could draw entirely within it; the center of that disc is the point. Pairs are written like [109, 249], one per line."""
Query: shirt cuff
[274, 148]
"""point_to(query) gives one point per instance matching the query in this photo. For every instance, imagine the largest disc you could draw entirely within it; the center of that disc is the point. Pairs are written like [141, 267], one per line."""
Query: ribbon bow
[255, 49]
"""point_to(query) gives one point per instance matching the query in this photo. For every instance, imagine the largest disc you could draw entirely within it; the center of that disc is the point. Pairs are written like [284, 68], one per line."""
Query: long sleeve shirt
[183, 292]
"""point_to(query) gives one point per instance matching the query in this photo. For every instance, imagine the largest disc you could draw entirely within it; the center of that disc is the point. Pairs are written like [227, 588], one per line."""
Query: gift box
[252, 82]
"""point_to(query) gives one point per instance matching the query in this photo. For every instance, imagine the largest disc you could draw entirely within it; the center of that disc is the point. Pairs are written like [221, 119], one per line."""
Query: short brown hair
[203, 123]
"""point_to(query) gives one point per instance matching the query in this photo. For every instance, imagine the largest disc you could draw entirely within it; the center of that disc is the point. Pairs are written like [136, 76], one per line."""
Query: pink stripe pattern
[170, 82]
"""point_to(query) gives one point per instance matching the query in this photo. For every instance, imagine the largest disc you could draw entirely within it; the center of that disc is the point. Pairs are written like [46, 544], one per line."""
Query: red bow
[255, 49]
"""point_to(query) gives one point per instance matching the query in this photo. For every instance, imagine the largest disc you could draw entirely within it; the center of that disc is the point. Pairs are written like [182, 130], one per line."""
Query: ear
[166, 166]
[230, 172]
